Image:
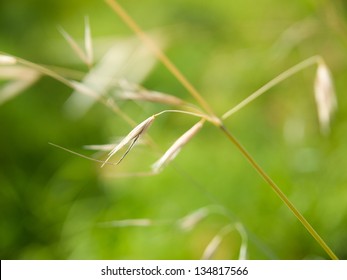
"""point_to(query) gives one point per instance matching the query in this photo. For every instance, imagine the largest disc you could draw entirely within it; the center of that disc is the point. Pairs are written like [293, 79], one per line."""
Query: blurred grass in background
[54, 205]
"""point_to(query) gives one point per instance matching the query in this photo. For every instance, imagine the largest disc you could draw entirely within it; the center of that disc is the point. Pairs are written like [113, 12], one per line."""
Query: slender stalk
[200, 115]
[286, 74]
[279, 193]
[160, 55]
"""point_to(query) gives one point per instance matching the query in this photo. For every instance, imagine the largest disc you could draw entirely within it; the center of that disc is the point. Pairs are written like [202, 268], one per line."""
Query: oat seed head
[325, 96]
[172, 152]
[133, 136]
[151, 96]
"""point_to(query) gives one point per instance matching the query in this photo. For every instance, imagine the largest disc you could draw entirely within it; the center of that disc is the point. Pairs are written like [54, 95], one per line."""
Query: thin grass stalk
[279, 193]
[283, 76]
[214, 244]
[161, 56]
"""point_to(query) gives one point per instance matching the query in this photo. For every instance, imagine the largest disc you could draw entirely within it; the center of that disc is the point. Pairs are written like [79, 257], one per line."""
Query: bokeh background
[55, 205]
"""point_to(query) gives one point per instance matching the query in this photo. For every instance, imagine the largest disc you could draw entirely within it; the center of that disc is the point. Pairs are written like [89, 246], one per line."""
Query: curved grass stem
[279, 193]
[198, 114]
[281, 77]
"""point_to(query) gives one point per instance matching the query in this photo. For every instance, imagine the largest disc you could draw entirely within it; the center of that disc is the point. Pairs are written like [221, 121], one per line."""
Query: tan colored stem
[279, 193]
[160, 55]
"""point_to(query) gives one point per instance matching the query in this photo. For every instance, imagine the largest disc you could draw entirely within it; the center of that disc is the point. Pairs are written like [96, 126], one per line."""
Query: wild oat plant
[99, 85]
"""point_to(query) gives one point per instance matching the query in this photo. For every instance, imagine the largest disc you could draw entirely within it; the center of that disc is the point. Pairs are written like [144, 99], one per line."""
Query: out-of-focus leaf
[127, 59]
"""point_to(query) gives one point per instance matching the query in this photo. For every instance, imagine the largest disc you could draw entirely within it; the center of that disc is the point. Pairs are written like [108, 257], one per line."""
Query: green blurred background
[54, 205]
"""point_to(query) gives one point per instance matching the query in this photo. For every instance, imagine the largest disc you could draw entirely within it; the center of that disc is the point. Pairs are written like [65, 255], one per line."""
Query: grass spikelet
[132, 137]
[212, 247]
[172, 152]
[151, 96]
[7, 60]
[188, 222]
[325, 96]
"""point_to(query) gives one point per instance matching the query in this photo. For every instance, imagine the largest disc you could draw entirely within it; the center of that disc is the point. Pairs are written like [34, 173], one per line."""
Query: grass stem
[279, 193]
[281, 77]
[160, 55]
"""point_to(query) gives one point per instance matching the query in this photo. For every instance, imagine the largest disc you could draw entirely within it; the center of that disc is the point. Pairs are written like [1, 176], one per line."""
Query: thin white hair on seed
[132, 137]
[172, 152]
[325, 96]
[80, 155]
